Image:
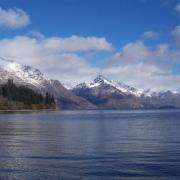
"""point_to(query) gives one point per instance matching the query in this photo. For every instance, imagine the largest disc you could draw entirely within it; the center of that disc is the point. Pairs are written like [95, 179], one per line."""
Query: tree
[26, 95]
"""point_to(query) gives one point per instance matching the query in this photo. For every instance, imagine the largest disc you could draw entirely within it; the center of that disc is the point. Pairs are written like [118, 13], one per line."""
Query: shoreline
[41, 110]
[29, 110]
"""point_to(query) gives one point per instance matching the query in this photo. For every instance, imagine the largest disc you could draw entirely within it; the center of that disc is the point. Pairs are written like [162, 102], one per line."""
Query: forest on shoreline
[14, 97]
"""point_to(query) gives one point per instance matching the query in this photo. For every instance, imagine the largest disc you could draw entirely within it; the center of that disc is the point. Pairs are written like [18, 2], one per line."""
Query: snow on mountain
[100, 80]
[109, 94]
[68, 86]
[21, 74]
[34, 79]
[27, 75]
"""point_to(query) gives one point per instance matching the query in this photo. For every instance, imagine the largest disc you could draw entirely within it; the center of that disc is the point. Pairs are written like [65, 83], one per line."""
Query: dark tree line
[49, 99]
[25, 95]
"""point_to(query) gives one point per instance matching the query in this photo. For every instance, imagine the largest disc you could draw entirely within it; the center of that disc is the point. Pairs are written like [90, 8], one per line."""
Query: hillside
[105, 93]
[101, 93]
[34, 79]
[14, 97]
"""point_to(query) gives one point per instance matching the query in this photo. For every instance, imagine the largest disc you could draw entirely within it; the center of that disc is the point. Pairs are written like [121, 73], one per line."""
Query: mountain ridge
[100, 79]
[109, 94]
[36, 80]
[101, 93]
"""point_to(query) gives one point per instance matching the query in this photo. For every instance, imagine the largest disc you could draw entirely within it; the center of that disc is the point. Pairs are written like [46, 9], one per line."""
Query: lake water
[90, 145]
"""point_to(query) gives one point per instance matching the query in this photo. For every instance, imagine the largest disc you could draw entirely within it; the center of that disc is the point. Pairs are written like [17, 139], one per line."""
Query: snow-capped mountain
[102, 80]
[36, 80]
[21, 74]
[106, 93]
[101, 93]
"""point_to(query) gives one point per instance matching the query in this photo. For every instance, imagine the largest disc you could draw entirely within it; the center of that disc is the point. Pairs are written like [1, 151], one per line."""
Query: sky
[136, 42]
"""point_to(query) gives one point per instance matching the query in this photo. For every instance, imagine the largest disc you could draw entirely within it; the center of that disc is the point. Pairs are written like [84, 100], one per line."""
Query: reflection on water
[90, 145]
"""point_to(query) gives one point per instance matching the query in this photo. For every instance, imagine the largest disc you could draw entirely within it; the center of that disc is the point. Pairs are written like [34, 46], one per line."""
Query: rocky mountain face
[66, 99]
[101, 93]
[108, 94]
[161, 100]
[34, 79]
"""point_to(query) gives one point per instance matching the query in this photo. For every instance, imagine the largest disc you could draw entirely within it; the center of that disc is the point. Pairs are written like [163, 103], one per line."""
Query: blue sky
[119, 21]
[74, 40]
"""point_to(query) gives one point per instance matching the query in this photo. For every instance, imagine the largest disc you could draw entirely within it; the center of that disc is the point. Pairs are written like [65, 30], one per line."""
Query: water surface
[90, 145]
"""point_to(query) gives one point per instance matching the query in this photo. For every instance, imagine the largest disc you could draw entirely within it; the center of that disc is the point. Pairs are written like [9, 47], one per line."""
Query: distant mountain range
[101, 93]
[109, 94]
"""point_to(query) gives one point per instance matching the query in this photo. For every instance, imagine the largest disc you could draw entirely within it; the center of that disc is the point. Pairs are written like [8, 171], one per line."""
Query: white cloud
[144, 76]
[177, 8]
[76, 43]
[135, 52]
[150, 35]
[70, 68]
[22, 46]
[54, 44]
[57, 57]
[143, 67]
[14, 18]
[131, 52]
[136, 64]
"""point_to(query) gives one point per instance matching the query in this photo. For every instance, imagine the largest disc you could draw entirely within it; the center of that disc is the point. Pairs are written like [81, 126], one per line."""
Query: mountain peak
[101, 79]
[21, 74]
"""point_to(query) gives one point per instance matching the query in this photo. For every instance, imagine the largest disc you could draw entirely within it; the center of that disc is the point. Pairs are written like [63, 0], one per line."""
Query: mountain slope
[34, 79]
[102, 80]
[21, 97]
[109, 94]
[101, 93]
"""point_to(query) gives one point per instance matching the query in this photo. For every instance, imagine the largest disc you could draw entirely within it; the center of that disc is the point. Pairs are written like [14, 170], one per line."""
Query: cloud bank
[60, 58]
[70, 59]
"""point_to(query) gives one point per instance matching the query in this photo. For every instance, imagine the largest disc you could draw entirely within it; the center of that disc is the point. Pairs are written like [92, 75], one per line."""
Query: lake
[90, 145]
